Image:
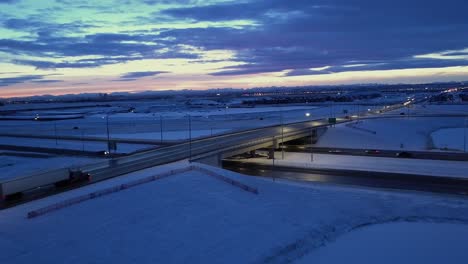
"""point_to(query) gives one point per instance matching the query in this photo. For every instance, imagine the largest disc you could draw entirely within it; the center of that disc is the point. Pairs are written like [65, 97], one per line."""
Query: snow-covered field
[177, 121]
[70, 144]
[380, 164]
[15, 166]
[403, 243]
[439, 109]
[451, 139]
[195, 218]
[175, 125]
[405, 133]
[169, 135]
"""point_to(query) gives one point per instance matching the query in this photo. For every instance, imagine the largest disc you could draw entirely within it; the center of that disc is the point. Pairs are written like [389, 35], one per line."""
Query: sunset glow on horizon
[65, 46]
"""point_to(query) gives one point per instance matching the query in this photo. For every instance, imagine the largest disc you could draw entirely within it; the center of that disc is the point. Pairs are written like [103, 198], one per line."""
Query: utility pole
[282, 133]
[161, 127]
[190, 138]
[464, 136]
[82, 140]
[311, 140]
[273, 153]
[108, 133]
[55, 130]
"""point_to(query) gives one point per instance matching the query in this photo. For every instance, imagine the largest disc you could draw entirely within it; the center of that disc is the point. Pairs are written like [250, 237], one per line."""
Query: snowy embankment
[195, 218]
[387, 133]
[364, 163]
[451, 139]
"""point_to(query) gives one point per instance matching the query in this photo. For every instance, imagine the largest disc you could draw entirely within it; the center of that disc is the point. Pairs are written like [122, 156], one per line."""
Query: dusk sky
[81, 46]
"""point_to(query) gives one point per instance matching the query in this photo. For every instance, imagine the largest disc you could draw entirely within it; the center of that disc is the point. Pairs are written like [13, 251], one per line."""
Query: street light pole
[311, 140]
[282, 133]
[190, 138]
[55, 130]
[108, 133]
[161, 128]
[464, 137]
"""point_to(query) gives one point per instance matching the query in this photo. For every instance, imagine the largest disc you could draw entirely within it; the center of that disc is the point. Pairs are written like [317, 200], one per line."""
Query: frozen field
[70, 144]
[14, 166]
[403, 243]
[405, 133]
[175, 122]
[380, 164]
[451, 139]
[440, 109]
[210, 221]
[169, 135]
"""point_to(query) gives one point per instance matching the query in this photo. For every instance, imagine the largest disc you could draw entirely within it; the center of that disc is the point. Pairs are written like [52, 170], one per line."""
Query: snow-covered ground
[363, 163]
[195, 218]
[225, 111]
[168, 135]
[451, 139]
[70, 144]
[405, 133]
[15, 166]
[175, 125]
[439, 109]
[177, 121]
[403, 243]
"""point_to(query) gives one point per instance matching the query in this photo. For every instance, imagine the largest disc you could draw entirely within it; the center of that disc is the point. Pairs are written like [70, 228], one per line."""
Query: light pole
[161, 127]
[82, 140]
[55, 131]
[190, 138]
[464, 136]
[282, 133]
[108, 133]
[311, 140]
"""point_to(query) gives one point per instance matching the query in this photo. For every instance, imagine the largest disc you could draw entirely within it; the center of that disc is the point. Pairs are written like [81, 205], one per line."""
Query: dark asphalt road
[431, 155]
[446, 185]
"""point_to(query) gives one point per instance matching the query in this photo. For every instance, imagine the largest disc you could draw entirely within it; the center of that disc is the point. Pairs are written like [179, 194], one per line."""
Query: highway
[86, 138]
[380, 180]
[212, 145]
[431, 155]
[146, 159]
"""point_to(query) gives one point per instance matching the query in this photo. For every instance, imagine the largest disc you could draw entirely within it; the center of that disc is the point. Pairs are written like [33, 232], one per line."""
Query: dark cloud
[308, 34]
[19, 79]
[392, 65]
[221, 12]
[136, 75]
[287, 35]
[47, 81]
[110, 49]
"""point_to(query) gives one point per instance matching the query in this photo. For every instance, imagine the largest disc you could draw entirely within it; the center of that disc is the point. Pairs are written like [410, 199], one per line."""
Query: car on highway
[372, 151]
[404, 154]
[102, 153]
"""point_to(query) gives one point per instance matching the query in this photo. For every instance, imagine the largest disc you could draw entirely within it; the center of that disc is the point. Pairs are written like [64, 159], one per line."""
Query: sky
[85, 46]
